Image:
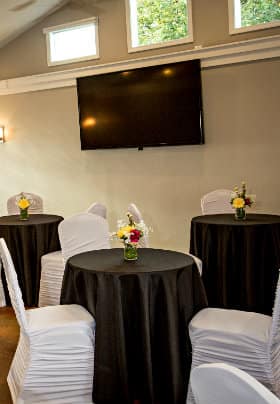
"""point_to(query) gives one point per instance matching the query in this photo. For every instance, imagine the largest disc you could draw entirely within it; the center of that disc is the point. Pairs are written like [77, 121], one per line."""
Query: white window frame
[233, 15]
[65, 27]
[131, 30]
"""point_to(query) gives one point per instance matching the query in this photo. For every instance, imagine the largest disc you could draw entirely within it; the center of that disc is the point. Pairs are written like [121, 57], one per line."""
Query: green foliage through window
[161, 20]
[259, 11]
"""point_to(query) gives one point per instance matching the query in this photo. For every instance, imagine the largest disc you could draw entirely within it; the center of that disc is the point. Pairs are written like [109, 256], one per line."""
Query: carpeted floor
[9, 333]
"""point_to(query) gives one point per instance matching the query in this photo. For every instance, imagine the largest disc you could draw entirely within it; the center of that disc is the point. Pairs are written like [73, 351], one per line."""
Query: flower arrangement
[240, 200]
[130, 234]
[23, 205]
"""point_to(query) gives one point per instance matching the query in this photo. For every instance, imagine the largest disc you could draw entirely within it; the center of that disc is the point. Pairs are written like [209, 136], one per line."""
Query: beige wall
[241, 108]
[27, 54]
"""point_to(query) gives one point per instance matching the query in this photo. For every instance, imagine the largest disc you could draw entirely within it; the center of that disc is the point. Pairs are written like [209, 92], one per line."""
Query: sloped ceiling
[17, 16]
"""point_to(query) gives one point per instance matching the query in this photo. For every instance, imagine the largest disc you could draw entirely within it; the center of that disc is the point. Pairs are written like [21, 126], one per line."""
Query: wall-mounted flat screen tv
[149, 106]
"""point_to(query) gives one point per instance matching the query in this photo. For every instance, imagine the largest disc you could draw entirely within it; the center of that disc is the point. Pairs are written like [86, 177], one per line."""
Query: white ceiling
[17, 16]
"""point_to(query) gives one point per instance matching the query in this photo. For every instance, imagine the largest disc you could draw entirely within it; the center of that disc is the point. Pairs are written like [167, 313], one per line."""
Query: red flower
[248, 202]
[135, 235]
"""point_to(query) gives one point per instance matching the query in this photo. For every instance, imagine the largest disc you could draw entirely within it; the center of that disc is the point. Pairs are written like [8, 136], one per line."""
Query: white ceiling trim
[237, 52]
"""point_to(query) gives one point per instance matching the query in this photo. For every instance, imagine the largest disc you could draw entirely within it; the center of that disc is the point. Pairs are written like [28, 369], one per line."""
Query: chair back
[274, 338]
[13, 286]
[219, 383]
[83, 232]
[98, 209]
[36, 205]
[217, 201]
[135, 212]
[2, 292]
[137, 218]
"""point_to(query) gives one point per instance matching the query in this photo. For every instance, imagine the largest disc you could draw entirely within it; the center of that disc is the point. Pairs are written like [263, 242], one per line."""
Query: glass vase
[240, 214]
[130, 252]
[23, 214]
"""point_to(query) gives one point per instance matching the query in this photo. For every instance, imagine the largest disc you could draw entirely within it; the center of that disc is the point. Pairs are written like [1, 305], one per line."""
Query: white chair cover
[54, 358]
[217, 201]
[250, 341]
[52, 271]
[79, 233]
[219, 383]
[98, 209]
[135, 212]
[35, 207]
[83, 232]
[2, 293]
[137, 218]
[198, 263]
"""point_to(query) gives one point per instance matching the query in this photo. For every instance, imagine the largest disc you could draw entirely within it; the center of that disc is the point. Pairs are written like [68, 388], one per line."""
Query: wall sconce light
[2, 134]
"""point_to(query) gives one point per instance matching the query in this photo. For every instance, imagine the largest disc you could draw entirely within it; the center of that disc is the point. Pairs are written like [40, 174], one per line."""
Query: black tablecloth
[28, 241]
[142, 310]
[241, 259]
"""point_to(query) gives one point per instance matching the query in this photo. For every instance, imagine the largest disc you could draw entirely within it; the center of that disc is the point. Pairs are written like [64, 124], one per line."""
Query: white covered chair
[2, 293]
[83, 232]
[137, 218]
[35, 207]
[247, 340]
[198, 263]
[135, 212]
[217, 201]
[98, 209]
[54, 358]
[79, 233]
[219, 383]
[52, 270]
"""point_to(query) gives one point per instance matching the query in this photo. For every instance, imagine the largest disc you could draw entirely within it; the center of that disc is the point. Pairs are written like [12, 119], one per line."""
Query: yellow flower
[120, 234]
[123, 231]
[238, 203]
[23, 203]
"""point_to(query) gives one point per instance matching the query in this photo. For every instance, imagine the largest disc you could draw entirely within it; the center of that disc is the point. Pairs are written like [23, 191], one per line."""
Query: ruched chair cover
[217, 201]
[135, 212]
[98, 209]
[79, 233]
[247, 340]
[198, 263]
[35, 207]
[219, 383]
[52, 270]
[2, 293]
[54, 358]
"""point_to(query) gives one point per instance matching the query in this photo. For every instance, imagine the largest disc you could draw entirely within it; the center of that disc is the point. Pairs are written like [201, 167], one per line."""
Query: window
[158, 23]
[251, 15]
[72, 42]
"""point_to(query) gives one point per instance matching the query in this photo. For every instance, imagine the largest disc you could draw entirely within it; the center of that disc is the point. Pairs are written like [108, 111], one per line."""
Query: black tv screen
[150, 106]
